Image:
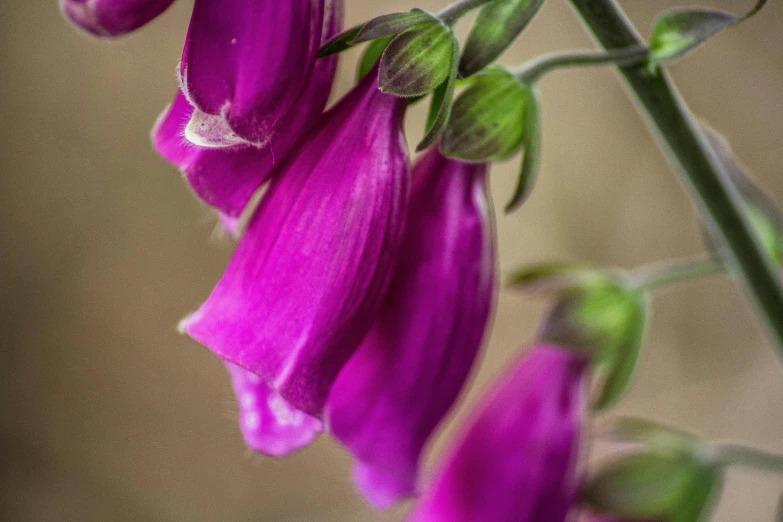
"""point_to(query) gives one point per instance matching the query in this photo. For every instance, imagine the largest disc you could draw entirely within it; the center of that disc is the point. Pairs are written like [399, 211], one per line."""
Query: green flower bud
[488, 118]
[671, 486]
[763, 212]
[677, 32]
[418, 60]
[609, 323]
[497, 25]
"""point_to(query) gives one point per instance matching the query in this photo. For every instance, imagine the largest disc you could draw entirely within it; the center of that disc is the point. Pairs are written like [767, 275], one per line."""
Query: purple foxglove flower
[245, 65]
[518, 460]
[226, 178]
[110, 18]
[310, 272]
[268, 423]
[412, 365]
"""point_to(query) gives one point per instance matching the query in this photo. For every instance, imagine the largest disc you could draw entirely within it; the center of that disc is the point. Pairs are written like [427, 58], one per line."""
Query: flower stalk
[661, 274]
[452, 13]
[716, 197]
[733, 454]
[533, 70]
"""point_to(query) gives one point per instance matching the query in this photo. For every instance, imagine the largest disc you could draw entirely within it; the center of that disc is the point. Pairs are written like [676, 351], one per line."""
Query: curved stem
[732, 454]
[701, 171]
[662, 274]
[458, 9]
[532, 71]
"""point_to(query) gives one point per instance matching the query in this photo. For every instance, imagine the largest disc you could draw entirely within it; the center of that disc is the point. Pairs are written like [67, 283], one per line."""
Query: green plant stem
[716, 196]
[662, 274]
[532, 71]
[732, 454]
[458, 9]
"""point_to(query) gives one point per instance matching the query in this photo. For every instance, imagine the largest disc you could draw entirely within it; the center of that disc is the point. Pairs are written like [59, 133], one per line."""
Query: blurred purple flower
[110, 18]
[245, 66]
[413, 364]
[226, 178]
[518, 460]
[309, 274]
[269, 424]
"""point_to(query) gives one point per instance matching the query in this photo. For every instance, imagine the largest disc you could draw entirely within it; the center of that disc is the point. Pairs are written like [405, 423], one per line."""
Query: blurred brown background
[106, 413]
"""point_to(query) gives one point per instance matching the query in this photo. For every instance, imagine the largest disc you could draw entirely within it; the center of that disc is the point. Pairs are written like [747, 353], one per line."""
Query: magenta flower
[110, 18]
[226, 178]
[518, 460]
[413, 364]
[309, 274]
[268, 423]
[245, 65]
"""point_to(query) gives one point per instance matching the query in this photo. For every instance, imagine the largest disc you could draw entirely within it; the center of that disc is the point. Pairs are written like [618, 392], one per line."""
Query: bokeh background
[107, 413]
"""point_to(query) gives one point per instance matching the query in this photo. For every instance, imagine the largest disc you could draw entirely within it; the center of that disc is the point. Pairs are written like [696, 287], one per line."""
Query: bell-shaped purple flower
[311, 270]
[269, 424]
[110, 18]
[245, 65]
[519, 459]
[226, 178]
[414, 362]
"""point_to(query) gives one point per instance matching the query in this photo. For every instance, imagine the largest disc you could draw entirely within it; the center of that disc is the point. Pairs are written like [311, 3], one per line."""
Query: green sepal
[440, 107]
[340, 42]
[488, 118]
[621, 363]
[417, 60]
[371, 56]
[531, 155]
[498, 24]
[764, 214]
[559, 276]
[668, 485]
[391, 24]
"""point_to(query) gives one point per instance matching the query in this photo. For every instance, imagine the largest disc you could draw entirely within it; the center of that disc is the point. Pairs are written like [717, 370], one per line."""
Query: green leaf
[651, 485]
[391, 24]
[371, 56]
[488, 118]
[340, 42]
[531, 157]
[498, 24]
[679, 31]
[442, 101]
[696, 503]
[417, 60]
[626, 354]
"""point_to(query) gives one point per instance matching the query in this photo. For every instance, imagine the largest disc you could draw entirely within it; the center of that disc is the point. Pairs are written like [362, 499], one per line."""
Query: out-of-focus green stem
[458, 9]
[749, 457]
[701, 171]
[662, 274]
[532, 71]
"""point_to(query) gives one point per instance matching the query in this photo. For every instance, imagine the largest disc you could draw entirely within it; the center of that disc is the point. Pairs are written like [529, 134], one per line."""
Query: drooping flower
[269, 424]
[110, 18]
[518, 460]
[245, 65]
[415, 360]
[226, 178]
[310, 272]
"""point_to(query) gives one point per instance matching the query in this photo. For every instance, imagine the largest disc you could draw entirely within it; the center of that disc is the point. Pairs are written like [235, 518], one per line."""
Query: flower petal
[268, 423]
[310, 272]
[518, 459]
[248, 61]
[227, 178]
[110, 18]
[411, 367]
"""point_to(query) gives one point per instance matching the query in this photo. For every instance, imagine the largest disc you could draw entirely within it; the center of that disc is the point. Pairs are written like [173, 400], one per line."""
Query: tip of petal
[382, 490]
[184, 325]
[84, 16]
[212, 131]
